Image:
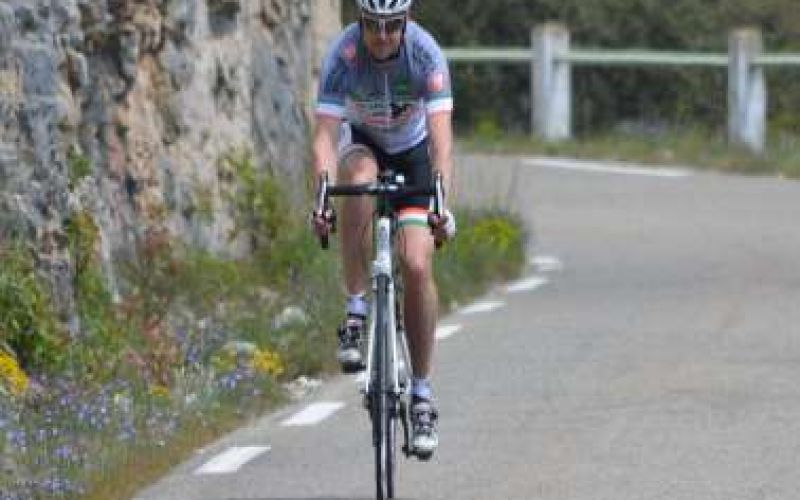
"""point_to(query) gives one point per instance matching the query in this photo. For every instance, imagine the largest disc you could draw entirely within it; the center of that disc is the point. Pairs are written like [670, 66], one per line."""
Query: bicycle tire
[380, 402]
[390, 416]
[395, 415]
[391, 443]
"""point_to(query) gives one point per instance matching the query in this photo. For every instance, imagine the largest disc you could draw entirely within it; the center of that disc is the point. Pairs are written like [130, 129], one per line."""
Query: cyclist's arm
[440, 130]
[326, 135]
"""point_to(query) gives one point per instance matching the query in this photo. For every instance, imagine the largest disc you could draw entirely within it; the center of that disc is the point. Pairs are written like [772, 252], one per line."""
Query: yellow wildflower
[268, 362]
[159, 391]
[11, 375]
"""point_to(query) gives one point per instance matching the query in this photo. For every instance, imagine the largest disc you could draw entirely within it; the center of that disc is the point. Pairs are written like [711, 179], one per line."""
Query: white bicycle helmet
[384, 7]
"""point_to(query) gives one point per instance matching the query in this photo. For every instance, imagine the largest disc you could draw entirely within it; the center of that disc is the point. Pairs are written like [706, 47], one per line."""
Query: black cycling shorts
[414, 163]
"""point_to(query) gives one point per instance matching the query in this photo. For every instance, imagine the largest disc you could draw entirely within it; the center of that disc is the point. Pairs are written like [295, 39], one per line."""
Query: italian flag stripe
[412, 216]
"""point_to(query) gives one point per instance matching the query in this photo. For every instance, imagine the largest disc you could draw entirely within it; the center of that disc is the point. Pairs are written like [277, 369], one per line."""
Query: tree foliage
[610, 96]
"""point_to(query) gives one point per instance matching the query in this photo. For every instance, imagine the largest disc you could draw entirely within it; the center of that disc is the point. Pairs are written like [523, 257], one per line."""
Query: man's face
[382, 35]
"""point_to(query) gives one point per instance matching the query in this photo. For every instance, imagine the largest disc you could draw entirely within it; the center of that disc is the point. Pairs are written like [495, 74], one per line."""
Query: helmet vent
[385, 7]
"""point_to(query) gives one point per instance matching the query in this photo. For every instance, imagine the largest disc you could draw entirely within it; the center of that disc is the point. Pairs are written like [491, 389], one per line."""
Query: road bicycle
[387, 385]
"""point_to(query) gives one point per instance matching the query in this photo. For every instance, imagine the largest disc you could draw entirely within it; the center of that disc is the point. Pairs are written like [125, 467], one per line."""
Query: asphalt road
[653, 354]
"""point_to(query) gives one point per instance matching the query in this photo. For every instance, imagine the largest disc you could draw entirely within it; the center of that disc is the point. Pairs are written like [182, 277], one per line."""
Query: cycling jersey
[386, 100]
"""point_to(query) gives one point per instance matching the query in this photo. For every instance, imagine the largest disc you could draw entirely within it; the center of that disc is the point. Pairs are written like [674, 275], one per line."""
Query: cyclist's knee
[358, 167]
[417, 265]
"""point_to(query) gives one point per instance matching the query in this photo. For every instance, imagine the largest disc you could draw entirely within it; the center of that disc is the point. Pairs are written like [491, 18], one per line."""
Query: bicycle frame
[385, 388]
[383, 266]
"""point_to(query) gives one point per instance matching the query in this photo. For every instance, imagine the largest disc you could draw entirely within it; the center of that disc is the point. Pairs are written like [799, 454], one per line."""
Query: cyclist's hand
[444, 227]
[323, 224]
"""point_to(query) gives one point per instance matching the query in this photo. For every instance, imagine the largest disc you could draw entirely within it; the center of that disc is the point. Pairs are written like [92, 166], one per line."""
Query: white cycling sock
[357, 305]
[421, 388]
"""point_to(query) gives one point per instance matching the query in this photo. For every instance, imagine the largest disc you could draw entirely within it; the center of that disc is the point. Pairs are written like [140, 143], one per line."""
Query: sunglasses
[389, 26]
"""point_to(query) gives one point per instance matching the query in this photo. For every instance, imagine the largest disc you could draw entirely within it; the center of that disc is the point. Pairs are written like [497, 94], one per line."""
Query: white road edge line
[482, 307]
[446, 331]
[547, 263]
[313, 414]
[527, 285]
[607, 167]
[231, 460]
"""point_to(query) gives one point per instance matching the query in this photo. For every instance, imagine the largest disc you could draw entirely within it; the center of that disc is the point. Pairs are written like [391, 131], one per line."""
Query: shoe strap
[424, 408]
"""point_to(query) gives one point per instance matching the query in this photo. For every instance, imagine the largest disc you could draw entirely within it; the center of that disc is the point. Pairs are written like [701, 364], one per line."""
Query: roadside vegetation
[190, 346]
[697, 147]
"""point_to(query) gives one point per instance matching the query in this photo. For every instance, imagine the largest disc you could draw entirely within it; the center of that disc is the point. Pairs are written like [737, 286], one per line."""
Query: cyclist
[385, 102]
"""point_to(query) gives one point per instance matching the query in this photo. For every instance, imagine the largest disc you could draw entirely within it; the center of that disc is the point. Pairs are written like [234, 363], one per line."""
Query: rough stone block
[8, 28]
[39, 69]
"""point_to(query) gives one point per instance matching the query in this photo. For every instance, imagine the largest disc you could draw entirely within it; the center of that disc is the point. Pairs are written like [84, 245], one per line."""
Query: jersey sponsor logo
[375, 114]
[398, 109]
[401, 86]
[349, 52]
[436, 82]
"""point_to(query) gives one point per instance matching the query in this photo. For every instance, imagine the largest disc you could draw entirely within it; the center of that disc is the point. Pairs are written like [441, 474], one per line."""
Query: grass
[138, 466]
[695, 147]
[148, 464]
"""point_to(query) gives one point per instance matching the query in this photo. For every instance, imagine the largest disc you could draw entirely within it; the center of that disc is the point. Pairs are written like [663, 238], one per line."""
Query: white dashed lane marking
[527, 285]
[446, 331]
[482, 307]
[547, 263]
[231, 460]
[313, 414]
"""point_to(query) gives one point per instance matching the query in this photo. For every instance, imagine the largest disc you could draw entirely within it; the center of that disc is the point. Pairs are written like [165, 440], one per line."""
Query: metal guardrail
[605, 57]
[487, 54]
[551, 59]
[778, 60]
[643, 58]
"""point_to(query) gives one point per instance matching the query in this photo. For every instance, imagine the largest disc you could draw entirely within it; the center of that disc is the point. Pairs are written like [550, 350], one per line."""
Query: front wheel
[383, 443]
[383, 401]
[392, 417]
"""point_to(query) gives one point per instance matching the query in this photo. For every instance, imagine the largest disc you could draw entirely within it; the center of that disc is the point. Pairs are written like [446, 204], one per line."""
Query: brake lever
[438, 203]
[322, 206]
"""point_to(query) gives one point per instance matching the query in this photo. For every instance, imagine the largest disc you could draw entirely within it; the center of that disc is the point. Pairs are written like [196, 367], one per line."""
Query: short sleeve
[333, 83]
[437, 87]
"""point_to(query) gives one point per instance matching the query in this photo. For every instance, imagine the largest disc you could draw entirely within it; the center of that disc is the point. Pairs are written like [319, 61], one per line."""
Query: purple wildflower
[127, 433]
[17, 438]
[64, 453]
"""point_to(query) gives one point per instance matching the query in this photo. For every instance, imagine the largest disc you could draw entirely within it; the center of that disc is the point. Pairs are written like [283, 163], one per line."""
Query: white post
[552, 83]
[747, 94]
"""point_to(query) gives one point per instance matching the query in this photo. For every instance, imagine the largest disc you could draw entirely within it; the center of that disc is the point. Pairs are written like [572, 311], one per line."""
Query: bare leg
[356, 221]
[421, 306]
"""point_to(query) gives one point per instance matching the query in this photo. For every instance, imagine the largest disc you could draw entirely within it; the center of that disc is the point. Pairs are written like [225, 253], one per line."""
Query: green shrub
[28, 324]
[487, 128]
[489, 247]
[262, 210]
[103, 336]
[79, 166]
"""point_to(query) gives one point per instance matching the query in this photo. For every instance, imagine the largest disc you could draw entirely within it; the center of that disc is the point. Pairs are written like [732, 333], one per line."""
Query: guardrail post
[747, 93]
[552, 82]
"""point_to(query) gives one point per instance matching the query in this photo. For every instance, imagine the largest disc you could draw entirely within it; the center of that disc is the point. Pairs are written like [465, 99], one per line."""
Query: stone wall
[123, 109]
